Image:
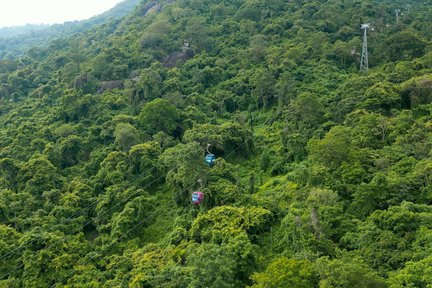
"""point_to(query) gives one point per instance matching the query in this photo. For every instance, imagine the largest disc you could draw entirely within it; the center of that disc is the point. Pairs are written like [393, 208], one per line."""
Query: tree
[381, 96]
[377, 236]
[134, 216]
[126, 136]
[149, 85]
[39, 175]
[224, 138]
[111, 170]
[144, 162]
[264, 87]
[405, 46]
[160, 115]
[9, 249]
[197, 31]
[70, 150]
[185, 166]
[416, 91]
[414, 274]
[9, 170]
[347, 271]
[333, 150]
[306, 110]
[258, 46]
[220, 224]
[211, 266]
[326, 214]
[285, 272]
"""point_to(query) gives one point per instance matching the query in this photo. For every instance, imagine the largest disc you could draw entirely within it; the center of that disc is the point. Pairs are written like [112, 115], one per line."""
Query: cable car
[197, 197]
[210, 158]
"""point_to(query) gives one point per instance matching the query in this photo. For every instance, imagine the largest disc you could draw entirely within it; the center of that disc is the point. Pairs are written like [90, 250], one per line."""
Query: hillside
[16, 41]
[322, 175]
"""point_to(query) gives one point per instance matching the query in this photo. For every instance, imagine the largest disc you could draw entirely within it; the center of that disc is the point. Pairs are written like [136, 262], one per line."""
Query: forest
[323, 172]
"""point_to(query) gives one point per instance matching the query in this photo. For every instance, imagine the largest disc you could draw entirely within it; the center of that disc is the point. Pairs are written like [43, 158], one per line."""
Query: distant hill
[15, 41]
[8, 32]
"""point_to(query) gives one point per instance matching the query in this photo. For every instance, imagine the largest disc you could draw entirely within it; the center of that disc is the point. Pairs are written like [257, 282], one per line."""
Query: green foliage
[10, 170]
[263, 82]
[333, 150]
[143, 162]
[126, 136]
[225, 138]
[284, 272]
[312, 228]
[111, 170]
[8, 239]
[159, 115]
[220, 224]
[405, 46]
[185, 167]
[134, 215]
[38, 175]
[347, 271]
[377, 235]
[414, 274]
[306, 110]
[103, 136]
[212, 266]
[416, 92]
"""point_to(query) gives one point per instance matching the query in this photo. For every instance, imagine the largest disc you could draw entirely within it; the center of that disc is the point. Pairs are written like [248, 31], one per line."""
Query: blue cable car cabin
[210, 159]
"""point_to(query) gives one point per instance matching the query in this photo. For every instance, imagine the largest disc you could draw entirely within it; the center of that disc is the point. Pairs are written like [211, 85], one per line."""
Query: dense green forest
[323, 173]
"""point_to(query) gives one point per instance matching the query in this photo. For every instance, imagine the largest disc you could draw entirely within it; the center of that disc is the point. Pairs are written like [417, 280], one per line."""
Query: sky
[21, 12]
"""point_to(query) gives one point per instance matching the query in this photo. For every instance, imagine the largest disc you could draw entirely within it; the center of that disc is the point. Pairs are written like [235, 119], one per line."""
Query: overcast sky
[21, 12]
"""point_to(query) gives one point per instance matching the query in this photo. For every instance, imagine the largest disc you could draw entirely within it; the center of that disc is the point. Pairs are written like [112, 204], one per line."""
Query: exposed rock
[177, 58]
[110, 85]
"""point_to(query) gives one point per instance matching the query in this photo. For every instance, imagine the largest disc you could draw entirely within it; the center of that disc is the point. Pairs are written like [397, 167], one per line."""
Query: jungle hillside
[323, 172]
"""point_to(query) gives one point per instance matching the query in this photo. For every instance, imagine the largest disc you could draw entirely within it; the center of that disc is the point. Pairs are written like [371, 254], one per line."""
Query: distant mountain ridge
[15, 41]
[12, 31]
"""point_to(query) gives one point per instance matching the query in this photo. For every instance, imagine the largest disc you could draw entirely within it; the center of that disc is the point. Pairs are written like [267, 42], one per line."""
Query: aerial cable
[199, 181]
[198, 196]
[81, 227]
[71, 218]
[210, 158]
[117, 240]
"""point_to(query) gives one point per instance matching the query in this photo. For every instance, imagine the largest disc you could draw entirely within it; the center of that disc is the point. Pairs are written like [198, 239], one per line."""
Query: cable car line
[68, 219]
[139, 223]
[81, 227]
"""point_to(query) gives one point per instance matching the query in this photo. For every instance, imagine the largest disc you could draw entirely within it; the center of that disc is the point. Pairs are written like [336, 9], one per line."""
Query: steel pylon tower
[397, 11]
[364, 61]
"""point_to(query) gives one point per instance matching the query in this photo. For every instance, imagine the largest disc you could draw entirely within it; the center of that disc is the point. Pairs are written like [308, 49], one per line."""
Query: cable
[66, 220]
[118, 239]
[89, 222]
[139, 223]
[81, 227]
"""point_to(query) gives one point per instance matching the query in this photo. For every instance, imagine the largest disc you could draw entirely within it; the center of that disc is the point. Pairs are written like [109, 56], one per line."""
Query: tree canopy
[322, 175]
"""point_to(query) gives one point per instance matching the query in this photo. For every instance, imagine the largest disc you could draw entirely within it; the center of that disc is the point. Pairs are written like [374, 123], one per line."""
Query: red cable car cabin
[197, 197]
